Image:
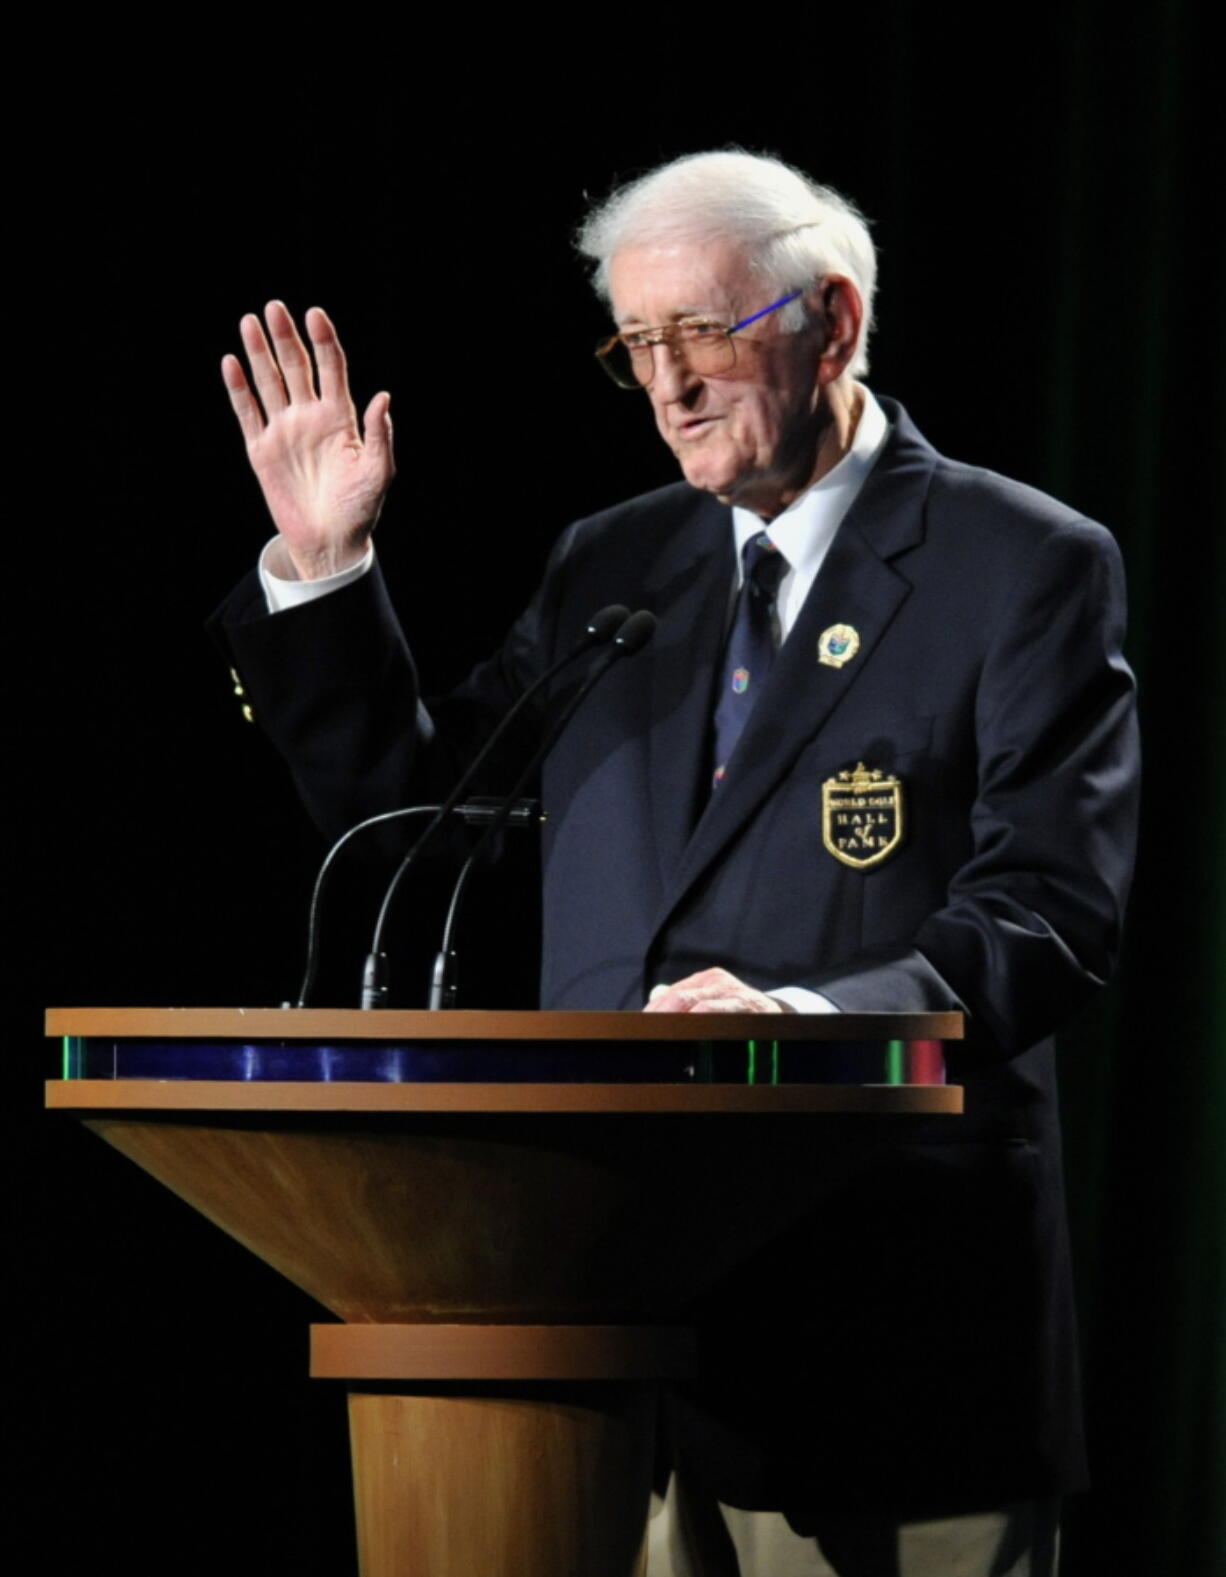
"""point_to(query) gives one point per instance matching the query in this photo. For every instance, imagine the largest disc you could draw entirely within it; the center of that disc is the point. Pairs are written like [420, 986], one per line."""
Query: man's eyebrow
[674, 317]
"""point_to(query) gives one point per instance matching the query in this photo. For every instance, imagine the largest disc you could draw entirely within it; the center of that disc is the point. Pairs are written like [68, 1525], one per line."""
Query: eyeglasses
[707, 348]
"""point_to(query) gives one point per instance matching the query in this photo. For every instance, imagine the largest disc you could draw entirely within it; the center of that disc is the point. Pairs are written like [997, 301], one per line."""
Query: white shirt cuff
[282, 588]
[804, 1001]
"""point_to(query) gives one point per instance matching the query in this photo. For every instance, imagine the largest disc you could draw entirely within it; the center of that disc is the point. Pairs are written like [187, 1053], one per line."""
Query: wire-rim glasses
[706, 347]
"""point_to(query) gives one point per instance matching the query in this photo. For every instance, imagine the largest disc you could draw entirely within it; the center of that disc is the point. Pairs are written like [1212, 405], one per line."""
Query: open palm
[323, 479]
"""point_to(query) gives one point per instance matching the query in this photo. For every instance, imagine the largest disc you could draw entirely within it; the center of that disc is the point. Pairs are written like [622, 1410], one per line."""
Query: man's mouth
[693, 426]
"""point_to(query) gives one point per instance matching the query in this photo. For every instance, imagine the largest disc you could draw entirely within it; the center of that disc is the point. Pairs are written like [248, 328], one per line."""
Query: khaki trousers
[693, 1536]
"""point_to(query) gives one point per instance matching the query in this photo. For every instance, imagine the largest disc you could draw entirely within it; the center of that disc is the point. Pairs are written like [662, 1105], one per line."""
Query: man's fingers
[242, 402]
[264, 370]
[752, 1002]
[291, 353]
[329, 357]
[709, 991]
[682, 999]
[377, 433]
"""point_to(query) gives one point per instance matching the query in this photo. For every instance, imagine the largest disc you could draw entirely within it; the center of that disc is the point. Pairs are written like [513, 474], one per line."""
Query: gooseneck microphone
[630, 639]
[473, 812]
[604, 626]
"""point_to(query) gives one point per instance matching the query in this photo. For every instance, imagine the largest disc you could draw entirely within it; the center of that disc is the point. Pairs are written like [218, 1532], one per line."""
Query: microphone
[606, 625]
[473, 812]
[634, 634]
[631, 637]
[603, 626]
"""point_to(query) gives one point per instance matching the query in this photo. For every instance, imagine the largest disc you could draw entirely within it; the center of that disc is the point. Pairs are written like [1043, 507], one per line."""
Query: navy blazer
[989, 680]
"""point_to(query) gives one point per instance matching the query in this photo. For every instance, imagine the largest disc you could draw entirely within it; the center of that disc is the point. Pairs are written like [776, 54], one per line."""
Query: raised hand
[324, 480]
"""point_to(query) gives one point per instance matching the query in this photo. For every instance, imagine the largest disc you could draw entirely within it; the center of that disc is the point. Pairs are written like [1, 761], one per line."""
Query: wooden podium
[511, 1251]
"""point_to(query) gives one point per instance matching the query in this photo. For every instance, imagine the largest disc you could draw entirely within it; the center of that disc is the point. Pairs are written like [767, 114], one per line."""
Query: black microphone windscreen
[635, 633]
[603, 626]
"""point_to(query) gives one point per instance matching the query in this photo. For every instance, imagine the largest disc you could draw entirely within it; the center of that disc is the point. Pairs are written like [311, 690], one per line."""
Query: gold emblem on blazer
[838, 645]
[862, 816]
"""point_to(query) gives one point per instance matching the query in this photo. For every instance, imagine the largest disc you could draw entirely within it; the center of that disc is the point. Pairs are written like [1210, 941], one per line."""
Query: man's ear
[835, 306]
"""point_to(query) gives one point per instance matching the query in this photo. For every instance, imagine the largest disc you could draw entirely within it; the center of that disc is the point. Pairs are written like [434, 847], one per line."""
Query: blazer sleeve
[334, 686]
[1032, 920]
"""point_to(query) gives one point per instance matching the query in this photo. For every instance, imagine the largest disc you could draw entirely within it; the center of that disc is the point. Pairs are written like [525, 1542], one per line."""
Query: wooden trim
[224, 1095]
[502, 1352]
[325, 1024]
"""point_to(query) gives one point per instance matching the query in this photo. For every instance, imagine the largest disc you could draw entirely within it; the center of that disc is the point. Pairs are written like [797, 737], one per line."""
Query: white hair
[793, 231]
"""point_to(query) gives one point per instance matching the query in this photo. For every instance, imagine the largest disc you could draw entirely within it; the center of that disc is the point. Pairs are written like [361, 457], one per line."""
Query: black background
[1046, 204]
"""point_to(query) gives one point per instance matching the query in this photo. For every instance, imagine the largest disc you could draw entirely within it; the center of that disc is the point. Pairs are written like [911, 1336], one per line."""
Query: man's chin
[708, 478]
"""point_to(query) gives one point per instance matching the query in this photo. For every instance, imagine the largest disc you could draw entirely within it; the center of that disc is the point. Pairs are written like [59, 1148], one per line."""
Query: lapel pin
[838, 645]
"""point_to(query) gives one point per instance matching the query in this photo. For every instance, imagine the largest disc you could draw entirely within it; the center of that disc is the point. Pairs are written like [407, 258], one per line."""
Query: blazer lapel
[691, 593]
[857, 585]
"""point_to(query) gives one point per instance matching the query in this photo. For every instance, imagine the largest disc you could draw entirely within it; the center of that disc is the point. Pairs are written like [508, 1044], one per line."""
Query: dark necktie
[750, 649]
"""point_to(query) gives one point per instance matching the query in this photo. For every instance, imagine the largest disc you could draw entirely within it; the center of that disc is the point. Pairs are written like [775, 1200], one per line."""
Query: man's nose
[672, 376]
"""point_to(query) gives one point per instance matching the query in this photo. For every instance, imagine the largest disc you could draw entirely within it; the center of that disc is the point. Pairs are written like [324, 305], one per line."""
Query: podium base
[551, 1480]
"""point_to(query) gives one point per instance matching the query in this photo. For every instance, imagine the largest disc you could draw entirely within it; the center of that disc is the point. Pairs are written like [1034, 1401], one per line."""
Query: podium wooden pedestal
[512, 1258]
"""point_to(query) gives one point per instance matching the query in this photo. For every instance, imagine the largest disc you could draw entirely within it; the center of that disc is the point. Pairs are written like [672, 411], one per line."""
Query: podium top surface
[315, 1024]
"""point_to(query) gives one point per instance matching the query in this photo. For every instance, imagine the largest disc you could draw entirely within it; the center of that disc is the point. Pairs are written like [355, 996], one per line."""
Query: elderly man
[839, 605]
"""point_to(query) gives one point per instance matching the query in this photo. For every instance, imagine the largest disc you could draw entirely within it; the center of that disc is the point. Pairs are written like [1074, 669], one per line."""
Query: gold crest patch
[862, 816]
